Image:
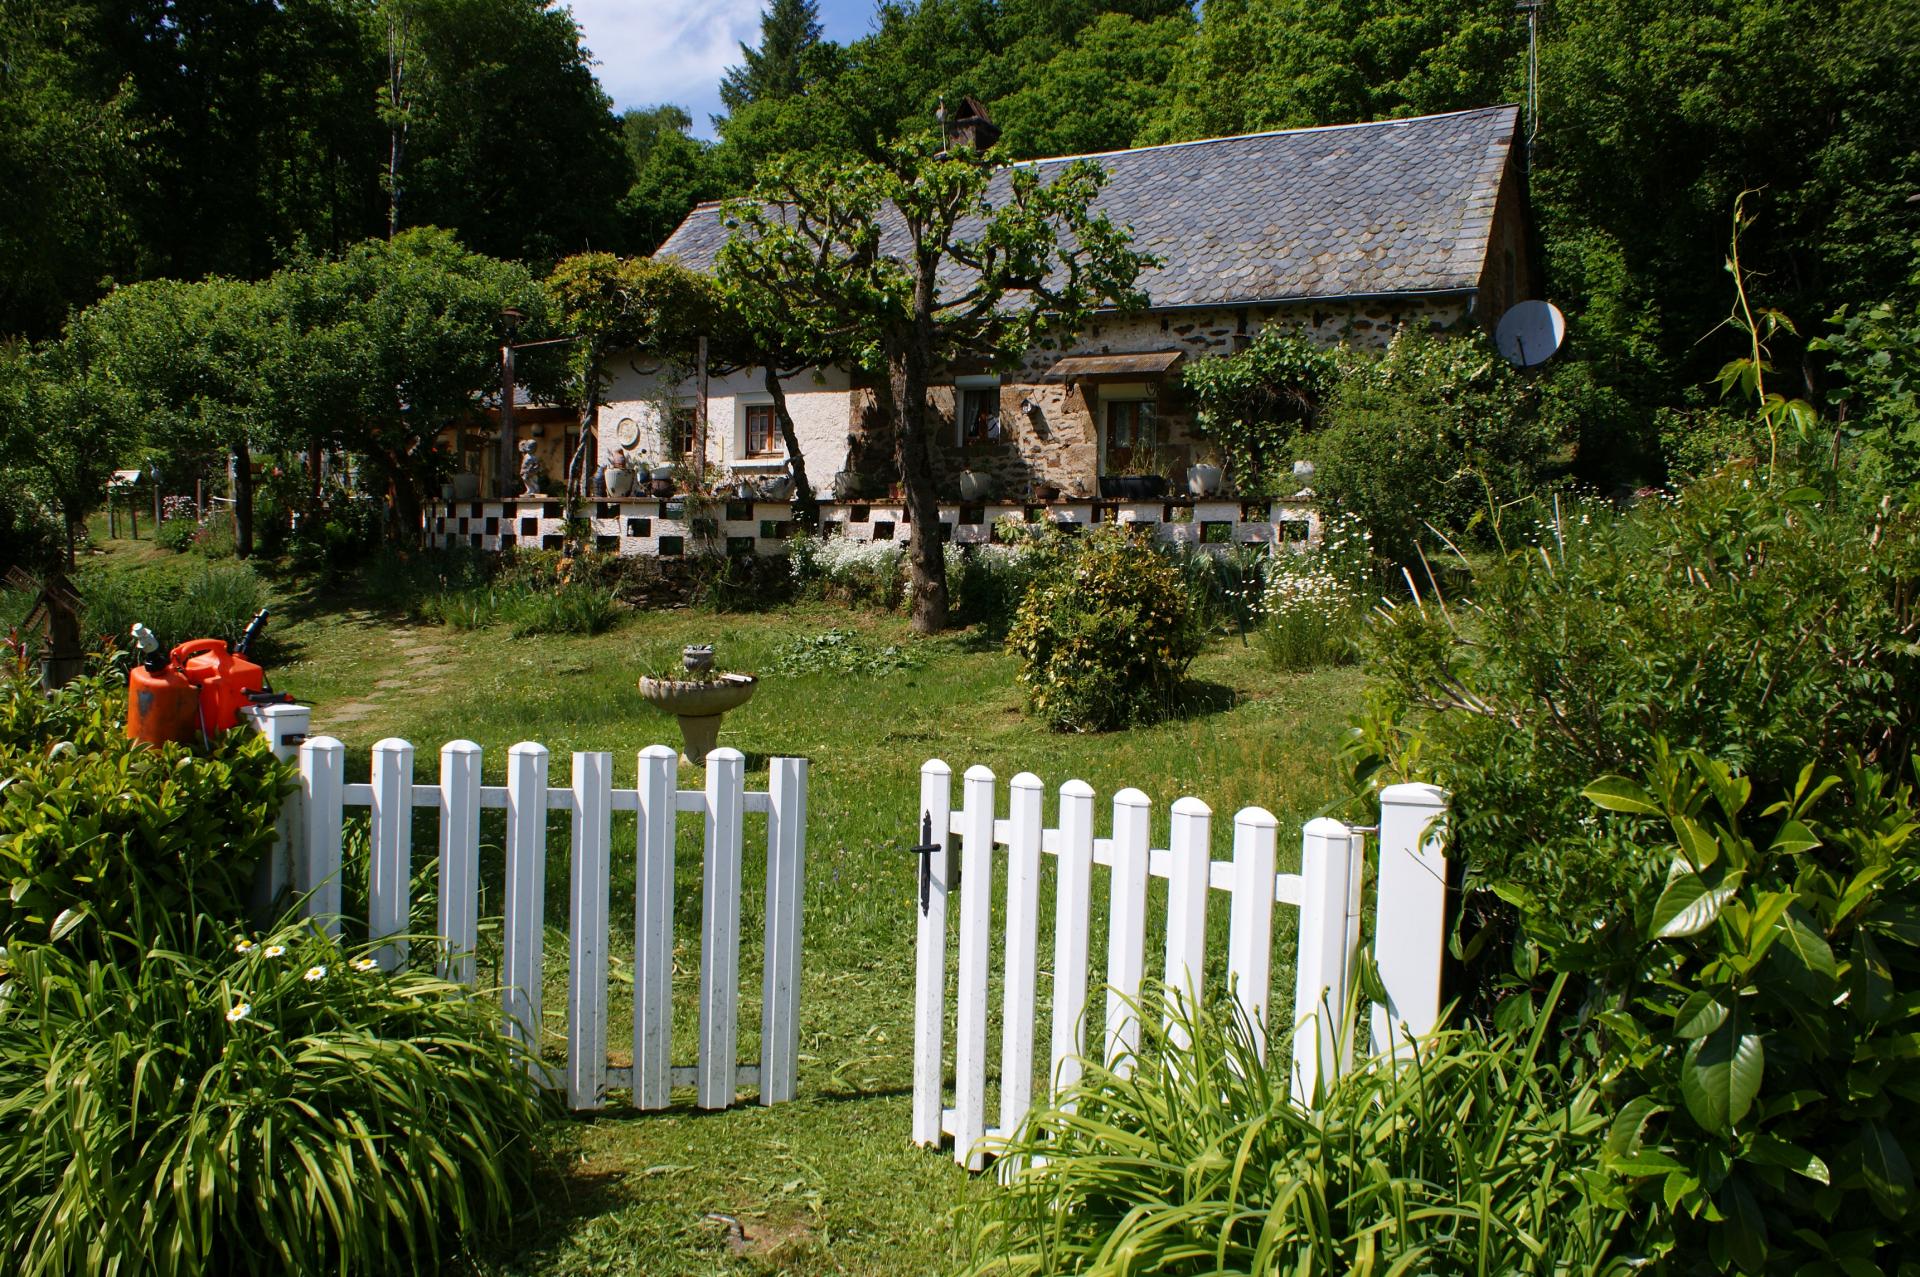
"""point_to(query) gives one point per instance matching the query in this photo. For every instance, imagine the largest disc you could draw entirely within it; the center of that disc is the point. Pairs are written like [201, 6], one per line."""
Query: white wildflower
[274, 950]
[363, 965]
[240, 1013]
[243, 946]
[314, 974]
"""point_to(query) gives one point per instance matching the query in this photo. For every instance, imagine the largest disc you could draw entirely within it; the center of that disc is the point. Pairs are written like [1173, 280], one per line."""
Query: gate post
[786, 879]
[930, 961]
[316, 874]
[970, 1016]
[1410, 916]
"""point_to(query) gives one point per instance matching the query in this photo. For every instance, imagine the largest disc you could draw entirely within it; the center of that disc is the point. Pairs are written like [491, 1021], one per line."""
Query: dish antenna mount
[1530, 333]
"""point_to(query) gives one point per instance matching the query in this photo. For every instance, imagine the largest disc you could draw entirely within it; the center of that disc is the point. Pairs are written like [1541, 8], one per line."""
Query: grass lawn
[828, 1183]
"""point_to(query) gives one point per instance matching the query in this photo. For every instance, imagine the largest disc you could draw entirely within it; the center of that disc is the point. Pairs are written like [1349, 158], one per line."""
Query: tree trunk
[806, 506]
[242, 498]
[907, 384]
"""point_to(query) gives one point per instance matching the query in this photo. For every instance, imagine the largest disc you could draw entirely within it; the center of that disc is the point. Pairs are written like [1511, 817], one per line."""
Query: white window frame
[741, 460]
[961, 385]
[1121, 392]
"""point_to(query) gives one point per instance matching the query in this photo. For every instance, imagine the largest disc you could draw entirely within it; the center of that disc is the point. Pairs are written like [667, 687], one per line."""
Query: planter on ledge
[699, 704]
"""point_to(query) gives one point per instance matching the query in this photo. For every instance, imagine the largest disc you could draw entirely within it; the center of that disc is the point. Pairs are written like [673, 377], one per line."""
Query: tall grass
[264, 1105]
[1470, 1160]
[180, 602]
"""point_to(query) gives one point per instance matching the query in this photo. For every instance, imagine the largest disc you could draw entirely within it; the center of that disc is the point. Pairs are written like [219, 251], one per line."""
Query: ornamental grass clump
[1104, 635]
[1473, 1159]
[247, 1104]
[1316, 603]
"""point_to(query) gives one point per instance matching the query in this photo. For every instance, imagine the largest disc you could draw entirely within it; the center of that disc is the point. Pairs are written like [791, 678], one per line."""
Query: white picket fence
[309, 863]
[1409, 933]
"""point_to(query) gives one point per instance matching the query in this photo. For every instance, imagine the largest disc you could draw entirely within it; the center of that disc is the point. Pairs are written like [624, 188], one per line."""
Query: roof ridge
[1266, 133]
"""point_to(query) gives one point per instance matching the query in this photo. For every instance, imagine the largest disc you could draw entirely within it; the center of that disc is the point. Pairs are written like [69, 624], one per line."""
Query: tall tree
[671, 172]
[788, 56]
[914, 262]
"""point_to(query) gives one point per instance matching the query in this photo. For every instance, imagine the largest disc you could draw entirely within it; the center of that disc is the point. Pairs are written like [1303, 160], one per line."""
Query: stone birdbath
[699, 701]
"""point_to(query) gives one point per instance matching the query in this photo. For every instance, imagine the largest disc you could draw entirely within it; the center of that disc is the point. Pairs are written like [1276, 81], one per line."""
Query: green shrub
[1104, 635]
[177, 600]
[1474, 1159]
[1434, 431]
[100, 836]
[1761, 1022]
[1761, 624]
[263, 1105]
[985, 583]
[466, 608]
[176, 534]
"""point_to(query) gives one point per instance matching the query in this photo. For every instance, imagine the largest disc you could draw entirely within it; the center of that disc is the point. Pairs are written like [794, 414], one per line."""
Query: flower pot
[1203, 480]
[620, 482]
[974, 486]
[778, 488]
[660, 488]
[1110, 485]
[466, 486]
[1046, 492]
[663, 472]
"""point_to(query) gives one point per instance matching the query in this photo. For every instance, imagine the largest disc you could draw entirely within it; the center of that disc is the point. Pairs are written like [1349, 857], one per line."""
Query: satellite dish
[1530, 333]
[627, 433]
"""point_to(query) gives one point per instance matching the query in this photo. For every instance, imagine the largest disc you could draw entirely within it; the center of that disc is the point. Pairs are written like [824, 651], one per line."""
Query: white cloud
[651, 51]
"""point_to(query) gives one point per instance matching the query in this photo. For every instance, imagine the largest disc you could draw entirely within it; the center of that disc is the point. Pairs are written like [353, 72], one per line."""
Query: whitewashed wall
[819, 404]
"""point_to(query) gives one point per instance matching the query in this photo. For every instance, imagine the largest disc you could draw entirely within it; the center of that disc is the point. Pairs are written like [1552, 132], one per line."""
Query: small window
[680, 430]
[979, 419]
[763, 432]
[1133, 434]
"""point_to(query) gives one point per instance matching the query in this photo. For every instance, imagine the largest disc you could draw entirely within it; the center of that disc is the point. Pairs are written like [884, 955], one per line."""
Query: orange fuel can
[162, 706]
[223, 680]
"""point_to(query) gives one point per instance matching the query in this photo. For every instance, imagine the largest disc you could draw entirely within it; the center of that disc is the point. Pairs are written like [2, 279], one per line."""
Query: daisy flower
[240, 1013]
[274, 950]
[243, 946]
[314, 973]
[364, 965]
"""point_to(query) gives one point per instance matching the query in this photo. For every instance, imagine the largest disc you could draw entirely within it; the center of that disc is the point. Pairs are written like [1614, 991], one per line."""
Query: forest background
[187, 138]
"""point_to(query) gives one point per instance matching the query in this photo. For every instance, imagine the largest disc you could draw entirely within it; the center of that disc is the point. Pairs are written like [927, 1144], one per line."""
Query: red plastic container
[222, 680]
[162, 707]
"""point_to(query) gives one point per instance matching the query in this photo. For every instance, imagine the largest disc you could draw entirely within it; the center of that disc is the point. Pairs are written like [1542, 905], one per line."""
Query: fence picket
[1072, 890]
[720, 934]
[1191, 861]
[587, 925]
[1127, 926]
[1025, 796]
[930, 956]
[1250, 921]
[653, 891]
[316, 875]
[970, 1016]
[780, 985]
[459, 858]
[285, 727]
[1410, 926]
[308, 853]
[526, 895]
[392, 867]
[1321, 973]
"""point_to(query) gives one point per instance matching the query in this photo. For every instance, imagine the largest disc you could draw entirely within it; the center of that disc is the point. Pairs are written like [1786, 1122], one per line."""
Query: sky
[653, 51]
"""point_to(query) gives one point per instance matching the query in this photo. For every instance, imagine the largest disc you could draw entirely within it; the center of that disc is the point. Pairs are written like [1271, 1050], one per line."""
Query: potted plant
[618, 474]
[1045, 491]
[1203, 476]
[975, 485]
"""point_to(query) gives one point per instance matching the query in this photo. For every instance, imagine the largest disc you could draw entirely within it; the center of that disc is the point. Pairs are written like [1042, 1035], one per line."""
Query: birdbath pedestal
[699, 704]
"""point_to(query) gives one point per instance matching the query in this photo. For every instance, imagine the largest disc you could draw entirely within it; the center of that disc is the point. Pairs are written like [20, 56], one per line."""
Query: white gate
[1410, 921]
[309, 864]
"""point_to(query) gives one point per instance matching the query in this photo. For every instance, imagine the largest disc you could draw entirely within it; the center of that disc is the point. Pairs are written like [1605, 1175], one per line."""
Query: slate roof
[1352, 210]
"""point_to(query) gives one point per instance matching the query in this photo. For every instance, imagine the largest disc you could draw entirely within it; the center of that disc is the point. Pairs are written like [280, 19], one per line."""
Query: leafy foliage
[102, 837]
[842, 652]
[1874, 356]
[268, 1103]
[1255, 404]
[1761, 1056]
[1104, 635]
[1761, 624]
[1196, 1160]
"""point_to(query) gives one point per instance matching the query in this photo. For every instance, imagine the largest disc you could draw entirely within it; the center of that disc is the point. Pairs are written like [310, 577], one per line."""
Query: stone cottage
[1345, 233]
